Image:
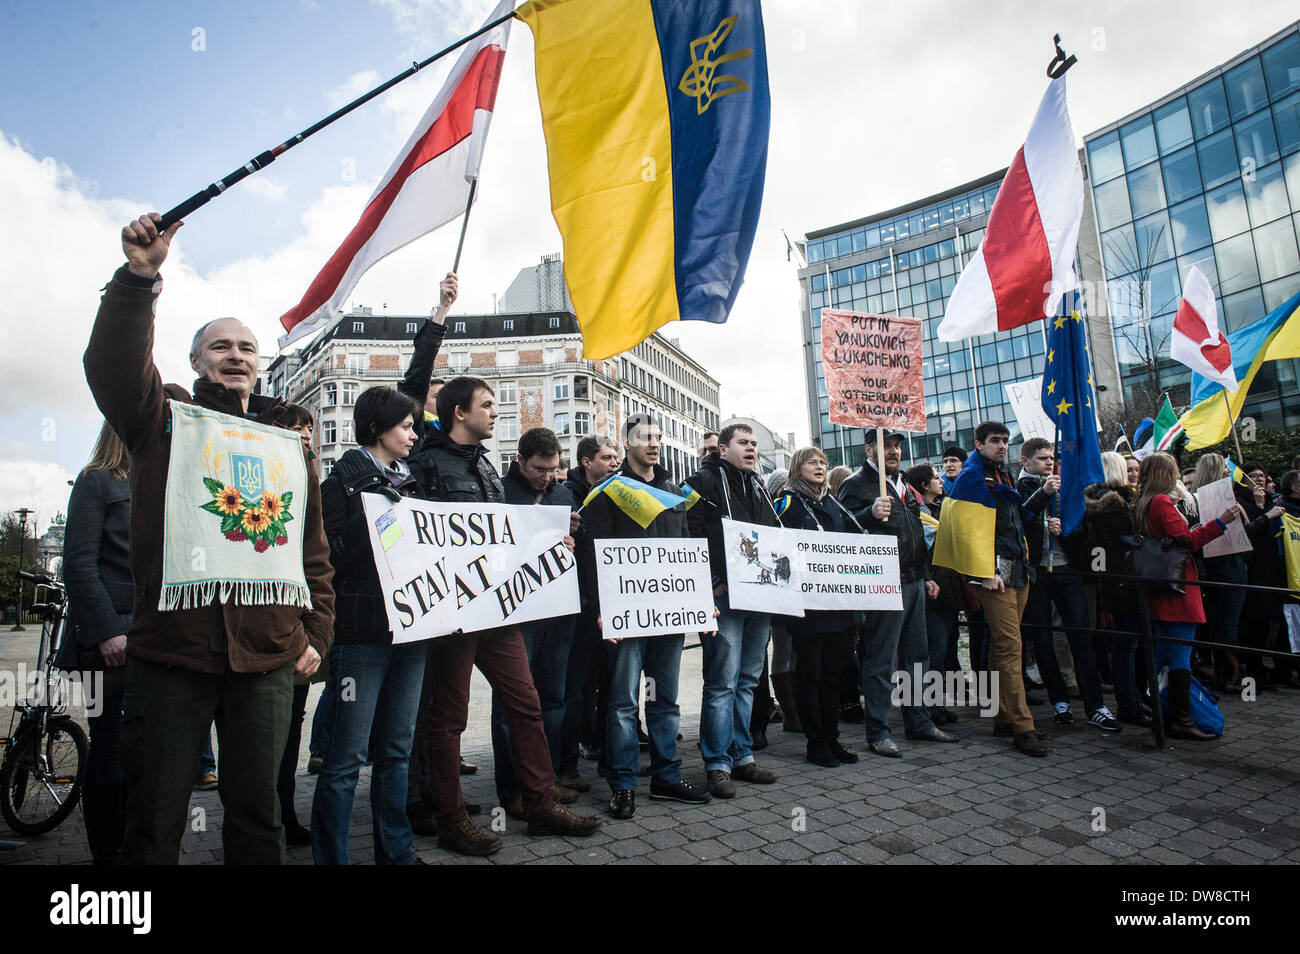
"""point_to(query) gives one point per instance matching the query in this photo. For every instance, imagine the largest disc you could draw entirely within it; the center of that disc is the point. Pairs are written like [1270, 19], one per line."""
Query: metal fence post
[1153, 678]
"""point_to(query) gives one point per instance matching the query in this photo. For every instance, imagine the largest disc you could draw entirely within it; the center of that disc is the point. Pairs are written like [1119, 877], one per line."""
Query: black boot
[103, 808]
[1180, 706]
[783, 685]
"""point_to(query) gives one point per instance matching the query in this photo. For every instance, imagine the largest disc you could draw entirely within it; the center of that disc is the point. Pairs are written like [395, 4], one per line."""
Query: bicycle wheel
[41, 779]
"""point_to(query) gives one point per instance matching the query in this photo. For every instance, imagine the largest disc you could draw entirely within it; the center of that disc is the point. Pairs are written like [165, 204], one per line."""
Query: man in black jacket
[586, 695]
[659, 657]
[1053, 557]
[733, 658]
[454, 467]
[546, 641]
[892, 634]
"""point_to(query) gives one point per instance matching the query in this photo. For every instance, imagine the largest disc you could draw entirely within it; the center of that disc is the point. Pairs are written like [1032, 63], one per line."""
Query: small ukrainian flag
[638, 500]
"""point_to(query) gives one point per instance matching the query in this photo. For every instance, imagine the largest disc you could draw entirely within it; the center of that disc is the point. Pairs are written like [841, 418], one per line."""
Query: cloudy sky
[114, 109]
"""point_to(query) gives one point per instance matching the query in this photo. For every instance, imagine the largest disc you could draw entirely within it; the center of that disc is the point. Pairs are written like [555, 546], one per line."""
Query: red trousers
[499, 655]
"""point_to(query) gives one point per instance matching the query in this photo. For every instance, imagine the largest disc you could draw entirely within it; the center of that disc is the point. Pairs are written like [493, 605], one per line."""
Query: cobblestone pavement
[1096, 799]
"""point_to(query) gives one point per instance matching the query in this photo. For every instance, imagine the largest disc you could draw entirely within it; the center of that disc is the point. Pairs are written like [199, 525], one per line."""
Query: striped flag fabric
[656, 115]
[427, 186]
[1196, 340]
[639, 500]
[1025, 261]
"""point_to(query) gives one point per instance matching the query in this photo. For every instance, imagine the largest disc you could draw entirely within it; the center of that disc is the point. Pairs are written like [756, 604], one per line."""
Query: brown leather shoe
[561, 821]
[565, 796]
[1028, 743]
[575, 782]
[466, 838]
[515, 808]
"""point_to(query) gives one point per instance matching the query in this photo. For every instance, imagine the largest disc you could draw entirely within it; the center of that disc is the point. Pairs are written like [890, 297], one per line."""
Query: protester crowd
[1046, 619]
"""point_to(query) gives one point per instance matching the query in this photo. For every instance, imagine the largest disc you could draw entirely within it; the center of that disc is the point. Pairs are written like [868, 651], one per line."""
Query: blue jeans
[660, 658]
[379, 685]
[892, 637]
[547, 643]
[1174, 655]
[208, 761]
[321, 721]
[1122, 651]
[733, 660]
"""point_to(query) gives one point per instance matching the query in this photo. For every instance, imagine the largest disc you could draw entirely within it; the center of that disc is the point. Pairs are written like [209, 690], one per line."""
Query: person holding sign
[823, 640]
[452, 465]
[733, 660]
[378, 681]
[659, 657]
[890, 635]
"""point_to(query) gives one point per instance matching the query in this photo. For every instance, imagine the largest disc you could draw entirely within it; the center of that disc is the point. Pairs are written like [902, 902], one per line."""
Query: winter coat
[1164, 520]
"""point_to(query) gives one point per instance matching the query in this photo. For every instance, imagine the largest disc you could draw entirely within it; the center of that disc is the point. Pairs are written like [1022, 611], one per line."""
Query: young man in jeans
[733, 658]
[659, 657]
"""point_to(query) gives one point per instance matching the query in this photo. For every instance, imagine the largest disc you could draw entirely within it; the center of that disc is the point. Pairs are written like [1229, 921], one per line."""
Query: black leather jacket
[455, 472]
[860, 490]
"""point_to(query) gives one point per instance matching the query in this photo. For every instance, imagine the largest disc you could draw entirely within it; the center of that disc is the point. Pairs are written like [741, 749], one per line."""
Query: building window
[582, 423]
[555, 321]
[507, 392]
[350, 393]
[347, 433]
[358, 327]
[508, 358]
[508, 428]
[460, 328]
[410, 327]
[458, 361]
[580, 388]
[561, 389]
[553, 355]
[329, 395]
[562, 424]
[326, 465]
[328, 433]
[508, 324]
[358, 361]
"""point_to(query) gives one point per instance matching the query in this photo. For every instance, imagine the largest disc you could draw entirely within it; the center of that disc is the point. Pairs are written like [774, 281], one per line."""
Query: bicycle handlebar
[37, 578]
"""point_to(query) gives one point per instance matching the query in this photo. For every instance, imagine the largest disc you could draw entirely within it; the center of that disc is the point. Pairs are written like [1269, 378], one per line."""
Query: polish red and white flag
[1025, 262]
[1196, 340]
[427, 186]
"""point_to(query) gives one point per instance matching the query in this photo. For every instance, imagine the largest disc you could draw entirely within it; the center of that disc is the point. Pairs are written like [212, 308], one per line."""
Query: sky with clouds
[115, 109]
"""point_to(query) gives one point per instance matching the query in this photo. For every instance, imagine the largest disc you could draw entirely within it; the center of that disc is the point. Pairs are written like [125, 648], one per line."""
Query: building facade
[1207, 176]
[534, 363]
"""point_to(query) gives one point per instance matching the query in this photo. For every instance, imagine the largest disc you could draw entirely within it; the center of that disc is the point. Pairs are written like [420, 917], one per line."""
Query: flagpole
[204, 196]
[970, 342]
[844, 451]
[473, 186]
[1231, 423]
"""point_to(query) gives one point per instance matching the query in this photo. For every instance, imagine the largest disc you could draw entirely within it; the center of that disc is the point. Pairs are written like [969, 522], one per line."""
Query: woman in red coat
[1173, 614]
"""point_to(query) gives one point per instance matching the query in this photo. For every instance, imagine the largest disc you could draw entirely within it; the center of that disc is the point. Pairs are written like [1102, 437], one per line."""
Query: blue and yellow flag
[1067, 399]
[1274, 337]
[967, 523]
[637, 499]
[656, 116]
[1237, 474]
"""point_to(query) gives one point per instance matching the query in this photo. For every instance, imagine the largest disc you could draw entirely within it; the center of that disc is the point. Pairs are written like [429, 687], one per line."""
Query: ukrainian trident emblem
[699, 81]
[250, 510]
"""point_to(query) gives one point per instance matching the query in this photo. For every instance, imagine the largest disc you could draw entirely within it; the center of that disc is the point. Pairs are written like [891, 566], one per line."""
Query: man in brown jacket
[232, 662]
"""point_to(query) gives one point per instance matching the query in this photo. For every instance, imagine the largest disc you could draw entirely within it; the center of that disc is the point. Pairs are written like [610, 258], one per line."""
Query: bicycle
[44, 764]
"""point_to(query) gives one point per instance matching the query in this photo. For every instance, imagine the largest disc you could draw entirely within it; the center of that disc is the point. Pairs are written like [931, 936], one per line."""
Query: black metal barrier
[1147, 638]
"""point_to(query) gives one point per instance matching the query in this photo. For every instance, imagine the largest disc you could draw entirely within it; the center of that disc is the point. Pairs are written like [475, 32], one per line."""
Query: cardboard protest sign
[469, 566]
[1025, 398]
[654, 586]
[1212, 500]
[849, 571]
[764, 568]
[872, 366]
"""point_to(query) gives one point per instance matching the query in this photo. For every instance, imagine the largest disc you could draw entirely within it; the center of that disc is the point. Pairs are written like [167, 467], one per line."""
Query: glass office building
[905, 262]
[1207, 176]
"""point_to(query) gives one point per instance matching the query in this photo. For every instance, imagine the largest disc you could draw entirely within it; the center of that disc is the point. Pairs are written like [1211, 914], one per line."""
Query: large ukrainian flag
[967, 523]
[1274, 337]
[656, 115]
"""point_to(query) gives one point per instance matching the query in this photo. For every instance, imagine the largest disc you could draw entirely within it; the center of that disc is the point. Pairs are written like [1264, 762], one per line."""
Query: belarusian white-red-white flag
[1196, 340]
[427, 186]
[1025, 262]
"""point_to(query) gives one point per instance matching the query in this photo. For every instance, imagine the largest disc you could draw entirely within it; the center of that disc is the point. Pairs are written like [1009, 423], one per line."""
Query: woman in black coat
[823, 639]
[97, 574]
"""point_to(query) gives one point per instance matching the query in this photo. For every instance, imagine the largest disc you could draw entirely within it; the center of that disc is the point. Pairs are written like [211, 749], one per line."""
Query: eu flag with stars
[1067, 399]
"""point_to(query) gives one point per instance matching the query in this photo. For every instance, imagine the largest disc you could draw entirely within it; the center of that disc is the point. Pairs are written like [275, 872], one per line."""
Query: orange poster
[872, 365]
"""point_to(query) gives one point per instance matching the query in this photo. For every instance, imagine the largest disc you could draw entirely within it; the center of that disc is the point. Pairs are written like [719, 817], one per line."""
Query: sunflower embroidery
[259, 521]
[229, 500]
[273, 506]
[255, 520]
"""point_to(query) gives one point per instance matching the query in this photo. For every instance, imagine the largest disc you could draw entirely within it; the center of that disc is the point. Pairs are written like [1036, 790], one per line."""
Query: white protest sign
[469, 566]
[849, 571]
[654, 586]
[1212, 500]
[1025, 398]
[764, 568]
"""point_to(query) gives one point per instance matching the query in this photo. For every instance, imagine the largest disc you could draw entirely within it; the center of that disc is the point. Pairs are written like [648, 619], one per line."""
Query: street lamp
[22, 541]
